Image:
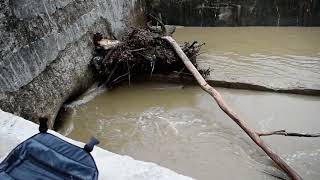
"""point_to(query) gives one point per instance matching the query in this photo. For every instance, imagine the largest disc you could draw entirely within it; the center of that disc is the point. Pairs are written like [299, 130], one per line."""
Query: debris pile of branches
[141, 53]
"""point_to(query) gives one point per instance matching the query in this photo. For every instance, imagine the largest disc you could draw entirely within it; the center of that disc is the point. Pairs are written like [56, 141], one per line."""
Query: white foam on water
[88, 96]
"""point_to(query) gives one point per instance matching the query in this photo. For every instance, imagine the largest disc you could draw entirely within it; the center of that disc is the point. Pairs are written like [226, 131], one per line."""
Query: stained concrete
[237, 12]
[46, 46]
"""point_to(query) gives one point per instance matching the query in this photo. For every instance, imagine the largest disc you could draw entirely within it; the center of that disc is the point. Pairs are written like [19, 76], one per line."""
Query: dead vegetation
[141, 53]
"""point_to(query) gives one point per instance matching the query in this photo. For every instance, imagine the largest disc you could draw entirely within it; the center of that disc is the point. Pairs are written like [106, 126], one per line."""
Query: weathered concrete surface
[14, 130]
[238, 12]
[45, 49]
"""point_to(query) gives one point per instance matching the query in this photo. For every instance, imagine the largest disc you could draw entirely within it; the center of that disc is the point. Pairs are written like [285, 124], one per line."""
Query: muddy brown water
[181, 128]
[274, 57]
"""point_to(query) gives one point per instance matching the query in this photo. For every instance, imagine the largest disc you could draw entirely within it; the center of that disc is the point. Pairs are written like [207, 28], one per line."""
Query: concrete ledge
[14, 130]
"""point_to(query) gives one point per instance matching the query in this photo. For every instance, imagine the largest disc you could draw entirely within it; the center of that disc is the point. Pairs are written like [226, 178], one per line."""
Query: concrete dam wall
[237, 12]
[46, 47]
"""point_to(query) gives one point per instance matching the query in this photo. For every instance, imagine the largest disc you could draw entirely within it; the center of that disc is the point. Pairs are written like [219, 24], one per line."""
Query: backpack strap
[90, 145]
[43, 127]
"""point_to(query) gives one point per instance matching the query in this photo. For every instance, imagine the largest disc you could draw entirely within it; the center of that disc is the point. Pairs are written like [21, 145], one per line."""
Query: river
[272, 57]
[180, 127]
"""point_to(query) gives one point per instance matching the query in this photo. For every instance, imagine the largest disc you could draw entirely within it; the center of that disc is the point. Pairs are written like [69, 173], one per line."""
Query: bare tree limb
[224, 107]
[111, 74]
[163, 27]
[108, 44]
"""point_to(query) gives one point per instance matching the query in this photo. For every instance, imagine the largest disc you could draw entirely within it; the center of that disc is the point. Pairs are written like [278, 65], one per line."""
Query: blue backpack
[45, 156]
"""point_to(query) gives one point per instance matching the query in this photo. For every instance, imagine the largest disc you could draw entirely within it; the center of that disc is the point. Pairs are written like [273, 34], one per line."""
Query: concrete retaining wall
[46, 46]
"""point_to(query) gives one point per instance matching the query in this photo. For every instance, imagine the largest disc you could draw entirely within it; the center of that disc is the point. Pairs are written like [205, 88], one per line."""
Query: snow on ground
[14, 130]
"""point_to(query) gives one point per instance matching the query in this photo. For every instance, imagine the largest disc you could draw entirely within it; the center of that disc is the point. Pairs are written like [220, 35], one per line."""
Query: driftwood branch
[224, 107]
[285, 133]
[164, 30]
[108, 44]
[163, 27]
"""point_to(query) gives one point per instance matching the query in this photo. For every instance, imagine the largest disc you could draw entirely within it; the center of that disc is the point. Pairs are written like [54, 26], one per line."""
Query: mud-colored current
[180, 127]
[274, 57]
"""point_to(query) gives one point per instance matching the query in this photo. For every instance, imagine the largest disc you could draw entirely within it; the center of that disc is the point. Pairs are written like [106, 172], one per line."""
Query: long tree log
[222, 104]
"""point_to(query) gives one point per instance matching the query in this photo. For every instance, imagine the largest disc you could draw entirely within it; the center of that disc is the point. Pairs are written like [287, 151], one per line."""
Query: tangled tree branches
[142, 52]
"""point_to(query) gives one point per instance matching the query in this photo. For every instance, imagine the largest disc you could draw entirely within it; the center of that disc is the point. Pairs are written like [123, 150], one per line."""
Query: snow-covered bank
[14, 130]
